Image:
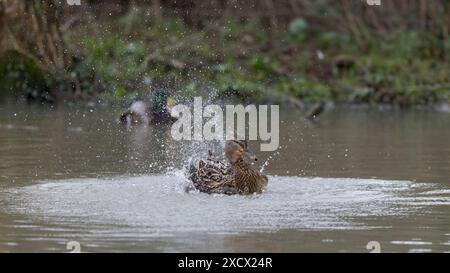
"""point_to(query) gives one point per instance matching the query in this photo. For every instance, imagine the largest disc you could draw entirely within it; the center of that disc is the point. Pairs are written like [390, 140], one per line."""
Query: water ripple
[158, 205]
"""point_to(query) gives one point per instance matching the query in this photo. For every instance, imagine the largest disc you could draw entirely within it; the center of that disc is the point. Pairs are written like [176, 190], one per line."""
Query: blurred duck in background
[156, 112]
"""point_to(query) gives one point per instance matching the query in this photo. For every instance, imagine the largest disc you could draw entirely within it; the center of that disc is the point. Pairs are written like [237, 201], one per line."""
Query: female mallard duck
[237, 177]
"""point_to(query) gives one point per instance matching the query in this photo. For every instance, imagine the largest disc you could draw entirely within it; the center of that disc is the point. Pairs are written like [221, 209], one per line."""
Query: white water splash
[159, 204]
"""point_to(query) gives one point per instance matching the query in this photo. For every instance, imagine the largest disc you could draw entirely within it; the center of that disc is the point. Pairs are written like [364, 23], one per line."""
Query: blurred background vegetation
[280, 51]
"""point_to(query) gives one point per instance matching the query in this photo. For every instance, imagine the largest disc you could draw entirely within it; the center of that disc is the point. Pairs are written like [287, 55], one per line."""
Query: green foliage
[298, 30]
[305, 88]
[19, 73]
[237, 59]
[120, 92]
[331, 40]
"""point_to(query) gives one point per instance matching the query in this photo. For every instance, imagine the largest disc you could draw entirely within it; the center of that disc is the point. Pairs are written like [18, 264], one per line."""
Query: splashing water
[158, 204]
[124, 190]
[266, 163]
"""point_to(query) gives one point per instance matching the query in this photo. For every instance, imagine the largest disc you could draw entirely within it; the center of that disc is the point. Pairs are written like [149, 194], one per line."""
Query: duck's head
[236, 150]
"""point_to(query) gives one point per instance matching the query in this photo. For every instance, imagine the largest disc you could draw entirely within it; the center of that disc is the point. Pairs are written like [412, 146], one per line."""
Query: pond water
[351, 177]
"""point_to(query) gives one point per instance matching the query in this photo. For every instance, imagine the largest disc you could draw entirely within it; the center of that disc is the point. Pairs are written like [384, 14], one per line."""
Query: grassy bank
[119, 58]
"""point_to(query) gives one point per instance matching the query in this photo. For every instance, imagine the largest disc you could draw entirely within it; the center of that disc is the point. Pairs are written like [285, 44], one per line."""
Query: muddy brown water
[351, 177]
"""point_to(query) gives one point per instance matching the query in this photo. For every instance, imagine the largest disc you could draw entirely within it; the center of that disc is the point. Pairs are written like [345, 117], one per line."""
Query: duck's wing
[212, 177]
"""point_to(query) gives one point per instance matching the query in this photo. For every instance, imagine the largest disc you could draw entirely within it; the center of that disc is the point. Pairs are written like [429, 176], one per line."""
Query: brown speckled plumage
[238, 176]
[247, 178]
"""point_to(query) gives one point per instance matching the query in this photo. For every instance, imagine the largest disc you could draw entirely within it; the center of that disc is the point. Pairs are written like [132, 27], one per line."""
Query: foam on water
[157, 205]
